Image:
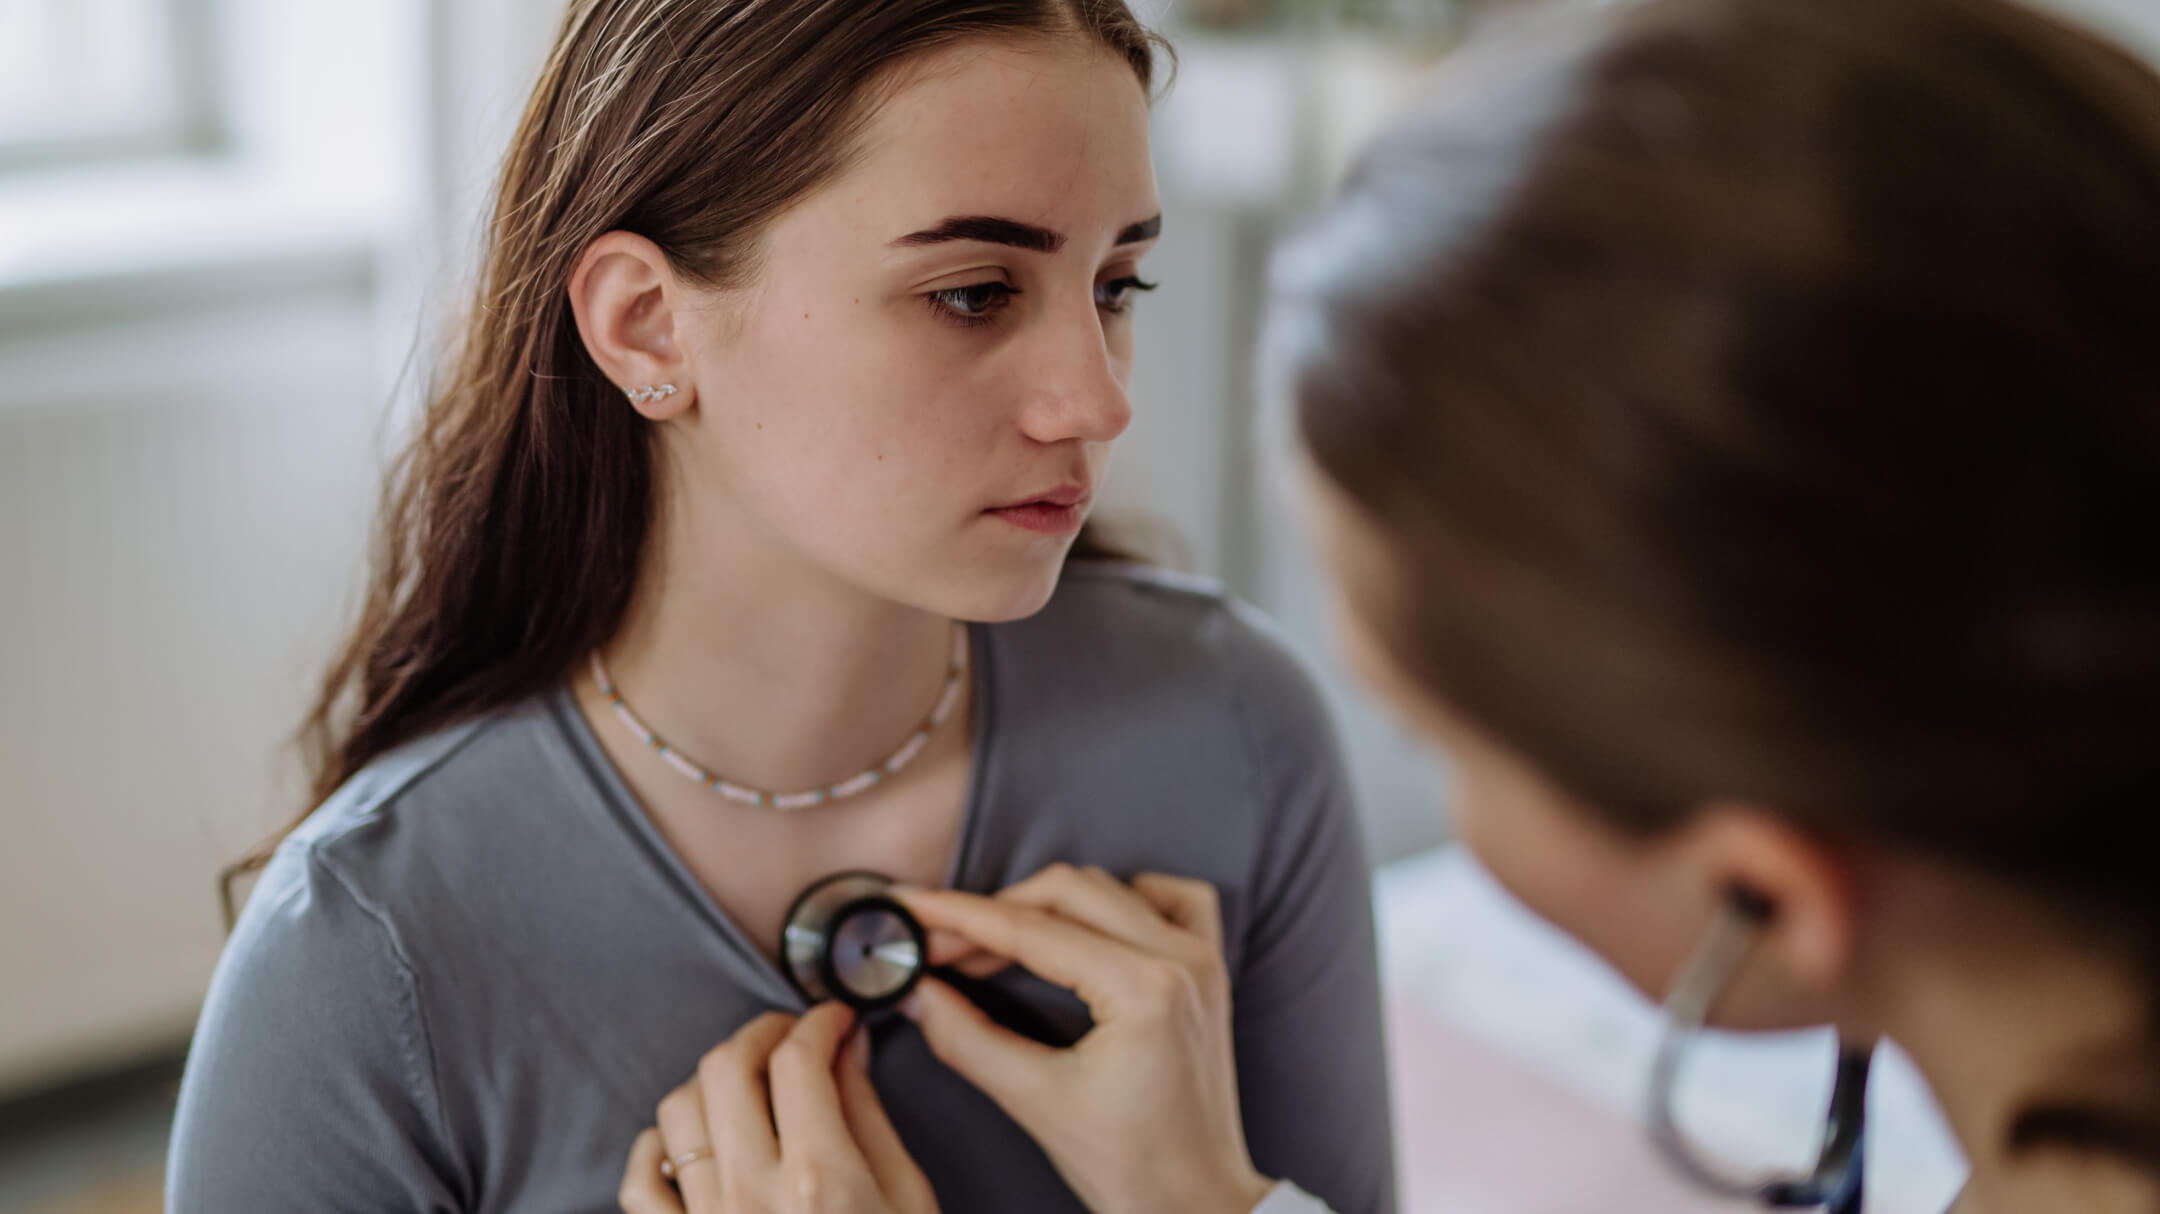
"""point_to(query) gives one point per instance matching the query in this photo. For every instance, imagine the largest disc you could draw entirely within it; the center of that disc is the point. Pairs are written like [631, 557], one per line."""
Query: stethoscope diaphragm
[848, 938]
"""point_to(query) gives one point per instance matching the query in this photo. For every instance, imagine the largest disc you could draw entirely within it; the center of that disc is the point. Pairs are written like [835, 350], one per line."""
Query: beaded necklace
[947, 700]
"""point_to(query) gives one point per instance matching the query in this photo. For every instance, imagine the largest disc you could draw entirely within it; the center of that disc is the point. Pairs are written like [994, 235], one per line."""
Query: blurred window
[92, 79]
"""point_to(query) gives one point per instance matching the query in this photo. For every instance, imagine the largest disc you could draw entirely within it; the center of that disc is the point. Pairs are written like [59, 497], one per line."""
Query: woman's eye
[1117, 294]
[975, 304]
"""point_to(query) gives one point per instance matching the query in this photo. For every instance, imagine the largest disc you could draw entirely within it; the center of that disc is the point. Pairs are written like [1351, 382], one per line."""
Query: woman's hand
[780, 1119]
[1141, 1115]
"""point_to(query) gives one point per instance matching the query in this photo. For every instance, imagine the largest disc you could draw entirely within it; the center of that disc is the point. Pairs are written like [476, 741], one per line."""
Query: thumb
[1013, 1071]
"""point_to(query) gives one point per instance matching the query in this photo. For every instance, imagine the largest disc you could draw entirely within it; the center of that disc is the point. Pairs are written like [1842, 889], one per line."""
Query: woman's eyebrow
[990, 229]
[1146, 229]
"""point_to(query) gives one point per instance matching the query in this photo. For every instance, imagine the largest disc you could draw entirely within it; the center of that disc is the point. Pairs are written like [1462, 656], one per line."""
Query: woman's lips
[1045, 518]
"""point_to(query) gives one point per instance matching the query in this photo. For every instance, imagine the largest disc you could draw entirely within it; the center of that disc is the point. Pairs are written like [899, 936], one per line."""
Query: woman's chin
[996, 595]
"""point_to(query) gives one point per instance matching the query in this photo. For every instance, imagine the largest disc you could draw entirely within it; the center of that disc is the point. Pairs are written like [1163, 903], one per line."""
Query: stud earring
[639, 396]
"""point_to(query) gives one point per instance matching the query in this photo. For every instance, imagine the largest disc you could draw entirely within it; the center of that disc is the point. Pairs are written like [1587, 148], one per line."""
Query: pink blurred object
[1478, 1132]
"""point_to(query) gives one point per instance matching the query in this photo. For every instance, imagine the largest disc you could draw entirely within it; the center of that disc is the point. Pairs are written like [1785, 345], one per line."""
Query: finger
[1093, 897]
[805, 1096]
[897, 1175]
[981, 965]
[737, 1105]
[1099, 969]
[947, 948]
[684, 1130]
[1193, 905]
[644, 1190]
[953, 952]
[1019, 1074]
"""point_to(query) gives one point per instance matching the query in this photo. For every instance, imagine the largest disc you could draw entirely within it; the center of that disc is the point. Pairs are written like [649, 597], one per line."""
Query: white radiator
[183, 503]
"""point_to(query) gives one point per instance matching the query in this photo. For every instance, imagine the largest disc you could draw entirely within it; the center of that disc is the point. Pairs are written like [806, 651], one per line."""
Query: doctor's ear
[1798, 892]
[626, 300]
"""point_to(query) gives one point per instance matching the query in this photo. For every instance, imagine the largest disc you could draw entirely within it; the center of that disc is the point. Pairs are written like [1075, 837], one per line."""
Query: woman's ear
[625, 300]
[1810, 941]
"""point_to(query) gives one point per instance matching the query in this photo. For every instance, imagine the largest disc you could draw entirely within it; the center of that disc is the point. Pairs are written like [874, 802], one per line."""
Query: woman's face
[918, 392]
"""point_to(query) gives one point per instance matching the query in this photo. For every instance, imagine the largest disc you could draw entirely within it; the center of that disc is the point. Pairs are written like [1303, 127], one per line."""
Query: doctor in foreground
[1734, 430]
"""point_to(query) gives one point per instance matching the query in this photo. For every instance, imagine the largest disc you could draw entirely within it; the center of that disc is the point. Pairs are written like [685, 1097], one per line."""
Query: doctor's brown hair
[515, 521]
[1759, 400]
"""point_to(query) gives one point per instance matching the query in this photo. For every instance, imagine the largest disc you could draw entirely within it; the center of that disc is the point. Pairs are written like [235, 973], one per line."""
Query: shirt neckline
[629, 814]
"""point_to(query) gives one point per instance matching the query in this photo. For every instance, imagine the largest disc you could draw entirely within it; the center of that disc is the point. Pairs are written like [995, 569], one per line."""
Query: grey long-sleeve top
[468, 979]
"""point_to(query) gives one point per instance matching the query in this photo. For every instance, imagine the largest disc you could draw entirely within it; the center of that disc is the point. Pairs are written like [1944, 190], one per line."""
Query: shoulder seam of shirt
[426, 1065]
[383, 798]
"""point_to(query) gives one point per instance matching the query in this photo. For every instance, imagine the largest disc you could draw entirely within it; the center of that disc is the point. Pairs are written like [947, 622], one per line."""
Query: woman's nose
[1074, 388]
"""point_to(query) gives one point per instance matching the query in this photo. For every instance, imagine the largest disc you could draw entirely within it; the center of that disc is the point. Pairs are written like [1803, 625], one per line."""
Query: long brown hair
[515, 520]
[1760, 400]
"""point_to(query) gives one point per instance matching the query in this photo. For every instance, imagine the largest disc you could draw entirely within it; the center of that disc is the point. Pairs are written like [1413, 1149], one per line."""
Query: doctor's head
[1734, 426]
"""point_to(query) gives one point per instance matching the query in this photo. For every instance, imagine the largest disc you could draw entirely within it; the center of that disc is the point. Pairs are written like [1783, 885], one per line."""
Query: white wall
[2134, 23]
[193, 360]
[179, 510]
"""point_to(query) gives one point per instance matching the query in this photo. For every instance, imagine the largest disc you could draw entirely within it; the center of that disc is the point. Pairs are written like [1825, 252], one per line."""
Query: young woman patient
[741, 544]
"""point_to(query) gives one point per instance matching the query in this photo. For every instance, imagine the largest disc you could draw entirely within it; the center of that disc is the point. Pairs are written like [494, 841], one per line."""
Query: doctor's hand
[780, 1119]
[1140, 1115]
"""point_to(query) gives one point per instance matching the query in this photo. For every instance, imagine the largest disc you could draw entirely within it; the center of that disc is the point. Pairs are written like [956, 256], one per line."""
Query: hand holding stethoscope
[782, 1117]
[1141, 1113]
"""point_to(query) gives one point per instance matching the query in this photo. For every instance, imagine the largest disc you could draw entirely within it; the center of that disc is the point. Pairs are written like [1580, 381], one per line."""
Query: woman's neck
[769, 673]
[2006, 1010]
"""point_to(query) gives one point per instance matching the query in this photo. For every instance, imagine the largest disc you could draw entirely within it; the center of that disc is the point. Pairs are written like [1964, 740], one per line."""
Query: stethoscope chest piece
[848, 938]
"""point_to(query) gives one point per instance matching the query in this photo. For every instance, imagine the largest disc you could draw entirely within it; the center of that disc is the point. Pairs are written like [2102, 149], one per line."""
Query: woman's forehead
[1051, 132]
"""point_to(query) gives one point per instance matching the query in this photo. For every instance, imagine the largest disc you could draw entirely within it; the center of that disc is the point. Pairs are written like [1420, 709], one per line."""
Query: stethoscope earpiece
[848, 938]
[1834, 1184]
